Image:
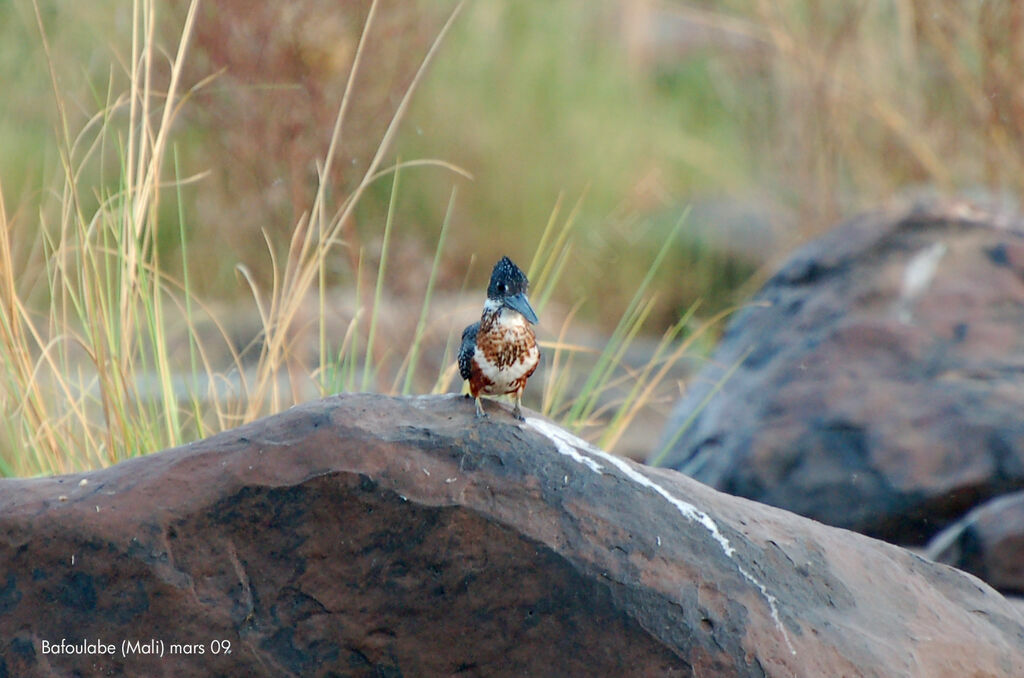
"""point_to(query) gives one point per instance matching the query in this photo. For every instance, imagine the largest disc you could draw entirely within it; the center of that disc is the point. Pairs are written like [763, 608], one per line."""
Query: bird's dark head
[508, 287]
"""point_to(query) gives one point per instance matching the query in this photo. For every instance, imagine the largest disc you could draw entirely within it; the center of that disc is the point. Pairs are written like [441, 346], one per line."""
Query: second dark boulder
[878, 377]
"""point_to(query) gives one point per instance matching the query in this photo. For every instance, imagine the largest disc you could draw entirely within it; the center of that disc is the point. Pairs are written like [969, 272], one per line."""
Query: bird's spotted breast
[506, 353]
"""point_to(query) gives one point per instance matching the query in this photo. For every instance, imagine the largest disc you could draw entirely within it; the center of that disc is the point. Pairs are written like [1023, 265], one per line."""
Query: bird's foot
[517, 411]
[480, 414]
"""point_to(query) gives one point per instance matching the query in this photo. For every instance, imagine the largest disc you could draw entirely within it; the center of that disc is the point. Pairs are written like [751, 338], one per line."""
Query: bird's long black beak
[519, 302]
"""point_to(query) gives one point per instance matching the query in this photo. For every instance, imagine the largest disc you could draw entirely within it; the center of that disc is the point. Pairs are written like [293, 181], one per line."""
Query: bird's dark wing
[467, 348]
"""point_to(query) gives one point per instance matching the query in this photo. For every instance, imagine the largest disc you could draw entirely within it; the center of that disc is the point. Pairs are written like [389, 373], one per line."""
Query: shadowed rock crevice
[363, 535]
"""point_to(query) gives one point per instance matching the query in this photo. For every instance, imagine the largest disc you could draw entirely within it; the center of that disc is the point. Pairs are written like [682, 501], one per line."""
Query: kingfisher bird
[499, 353]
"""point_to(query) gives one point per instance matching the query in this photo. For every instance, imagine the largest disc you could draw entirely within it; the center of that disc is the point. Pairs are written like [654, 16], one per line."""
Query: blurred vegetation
[804, 111]
[539, 99]
[587, 126]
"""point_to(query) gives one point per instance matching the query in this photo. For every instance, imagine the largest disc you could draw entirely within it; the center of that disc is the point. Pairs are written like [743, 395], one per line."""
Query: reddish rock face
[371, 536]
[879, 386]
[987, 542]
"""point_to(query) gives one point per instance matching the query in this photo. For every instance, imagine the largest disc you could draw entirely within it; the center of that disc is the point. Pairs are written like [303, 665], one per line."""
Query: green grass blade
[417, 339]
[368, 366]
[659, 458]
[615, 344]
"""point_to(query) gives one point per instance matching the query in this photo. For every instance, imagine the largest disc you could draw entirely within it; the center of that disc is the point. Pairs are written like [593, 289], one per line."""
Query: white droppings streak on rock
[920, 270]
[565, 442]
[917, 277]
[570, 445]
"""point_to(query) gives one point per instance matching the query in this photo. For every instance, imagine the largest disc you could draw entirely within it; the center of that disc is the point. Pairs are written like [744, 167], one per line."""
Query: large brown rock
[879, 385]
[987, 542]
[372, 536]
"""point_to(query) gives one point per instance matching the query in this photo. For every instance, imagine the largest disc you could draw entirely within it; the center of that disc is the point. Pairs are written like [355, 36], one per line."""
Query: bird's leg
[480, 414]
[517, 411]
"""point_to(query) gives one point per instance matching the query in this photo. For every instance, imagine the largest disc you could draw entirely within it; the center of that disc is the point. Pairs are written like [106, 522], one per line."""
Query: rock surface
[987, 542]
[879, 381]
[370, 536]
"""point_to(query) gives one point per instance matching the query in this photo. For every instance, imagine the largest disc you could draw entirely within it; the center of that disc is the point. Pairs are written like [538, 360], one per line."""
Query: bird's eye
[502, 287]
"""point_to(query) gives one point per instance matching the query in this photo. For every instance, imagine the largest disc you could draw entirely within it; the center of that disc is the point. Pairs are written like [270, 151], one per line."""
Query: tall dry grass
[107, 351]
[866, 100]
[89, 313]
[70, 397]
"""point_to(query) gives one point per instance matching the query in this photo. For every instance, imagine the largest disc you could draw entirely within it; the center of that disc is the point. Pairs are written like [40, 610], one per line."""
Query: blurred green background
[770, 119]
[135, 316]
